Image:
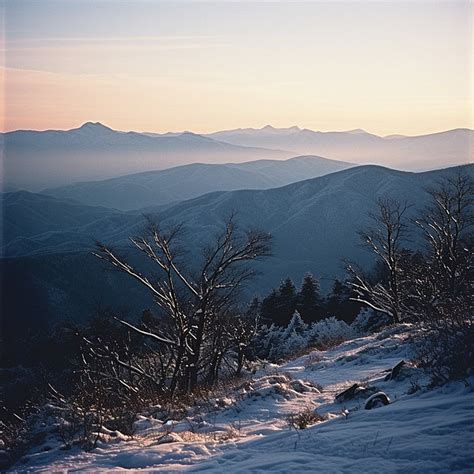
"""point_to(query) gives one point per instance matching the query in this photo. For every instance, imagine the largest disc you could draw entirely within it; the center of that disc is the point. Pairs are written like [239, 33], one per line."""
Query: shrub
[447, 352]
[303, 419]
[329, 332]
[368, 321]
[277, 343]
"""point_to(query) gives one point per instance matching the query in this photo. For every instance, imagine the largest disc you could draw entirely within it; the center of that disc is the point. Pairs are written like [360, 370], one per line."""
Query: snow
[245, 429]
[281, 342]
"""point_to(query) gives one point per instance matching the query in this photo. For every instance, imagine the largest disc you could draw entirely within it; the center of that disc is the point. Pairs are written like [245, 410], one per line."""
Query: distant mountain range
[155, 188]
[36, 160]
[315, 222]
[36, 223]
[418, 153]
[47, 241]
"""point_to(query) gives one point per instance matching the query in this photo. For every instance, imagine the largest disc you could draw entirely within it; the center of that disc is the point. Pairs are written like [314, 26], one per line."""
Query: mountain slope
[156, 188]
[437, 150]
[38, 159]
[423, 429]
[314, 224]
[40, 224]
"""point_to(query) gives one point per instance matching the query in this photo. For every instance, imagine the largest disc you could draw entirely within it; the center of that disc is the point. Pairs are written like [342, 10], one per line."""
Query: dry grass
[305, 418]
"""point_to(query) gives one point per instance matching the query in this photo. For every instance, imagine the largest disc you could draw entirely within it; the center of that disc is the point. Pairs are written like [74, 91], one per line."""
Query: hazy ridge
[47, 241]
[155, 188]
[36, 160]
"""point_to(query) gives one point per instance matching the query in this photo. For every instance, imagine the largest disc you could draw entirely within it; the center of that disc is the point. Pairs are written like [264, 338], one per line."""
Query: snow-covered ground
[246, 429]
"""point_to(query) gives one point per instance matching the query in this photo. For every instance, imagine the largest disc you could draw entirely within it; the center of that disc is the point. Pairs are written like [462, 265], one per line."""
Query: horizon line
[266, 126]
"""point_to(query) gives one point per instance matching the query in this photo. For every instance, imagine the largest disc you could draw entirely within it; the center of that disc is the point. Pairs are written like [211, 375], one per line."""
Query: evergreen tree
[294, 337]
[285, 303]
[296, 325]
[309, 302]
[339, 303]
[268, 307]
[335, 298]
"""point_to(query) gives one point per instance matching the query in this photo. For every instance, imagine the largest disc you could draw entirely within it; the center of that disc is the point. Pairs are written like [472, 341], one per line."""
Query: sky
[386, 67]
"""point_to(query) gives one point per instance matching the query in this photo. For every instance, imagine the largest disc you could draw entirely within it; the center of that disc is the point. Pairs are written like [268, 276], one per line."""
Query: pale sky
[386, 67]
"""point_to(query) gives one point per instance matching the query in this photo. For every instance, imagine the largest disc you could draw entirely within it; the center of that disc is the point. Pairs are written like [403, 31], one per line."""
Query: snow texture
[422, 430]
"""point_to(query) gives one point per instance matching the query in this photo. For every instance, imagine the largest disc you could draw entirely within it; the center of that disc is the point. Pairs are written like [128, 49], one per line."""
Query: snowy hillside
[245, 427]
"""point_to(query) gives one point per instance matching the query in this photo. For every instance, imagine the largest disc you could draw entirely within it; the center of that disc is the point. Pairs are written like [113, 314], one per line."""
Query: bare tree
[192, 301]
[246, 330]
[241, 329]
[446, 225]
[385, 239]
[419, 285]
[445, 285]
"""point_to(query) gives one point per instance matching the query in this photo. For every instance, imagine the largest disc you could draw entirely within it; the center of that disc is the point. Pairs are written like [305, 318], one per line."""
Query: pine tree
[339, 303]
[268, 307]
[335, 298]
[295, 336]
[309, 300]
[285, 303]
[296, 325]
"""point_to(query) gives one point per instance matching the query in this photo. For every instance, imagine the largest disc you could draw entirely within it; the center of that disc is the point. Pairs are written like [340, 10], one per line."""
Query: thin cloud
[33, 42]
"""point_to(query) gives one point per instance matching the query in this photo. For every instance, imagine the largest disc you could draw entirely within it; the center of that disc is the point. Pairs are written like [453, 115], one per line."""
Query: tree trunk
[240, 361]
[193, 367]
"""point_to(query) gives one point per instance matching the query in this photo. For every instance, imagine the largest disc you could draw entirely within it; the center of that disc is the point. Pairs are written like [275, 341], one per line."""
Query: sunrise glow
[203, 66]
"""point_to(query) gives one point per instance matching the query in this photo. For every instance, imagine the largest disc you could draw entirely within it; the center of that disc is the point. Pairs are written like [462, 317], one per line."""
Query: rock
[170, 438]
[348, 394]
[273, 379]
[377, 400]
[303, 387]
[395, 371]
[355, 392]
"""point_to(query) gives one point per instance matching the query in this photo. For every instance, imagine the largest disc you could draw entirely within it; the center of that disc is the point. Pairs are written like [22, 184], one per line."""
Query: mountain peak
[94, 126]
[188, 134]
[270, 128]
[193, 136]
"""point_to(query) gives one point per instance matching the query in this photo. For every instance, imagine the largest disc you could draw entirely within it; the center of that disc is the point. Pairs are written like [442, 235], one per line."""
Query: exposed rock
[272, 379]
[377, 400]
[303, 387]
[170, 438]
[353, 392]
[347, 394]
[395, 371]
